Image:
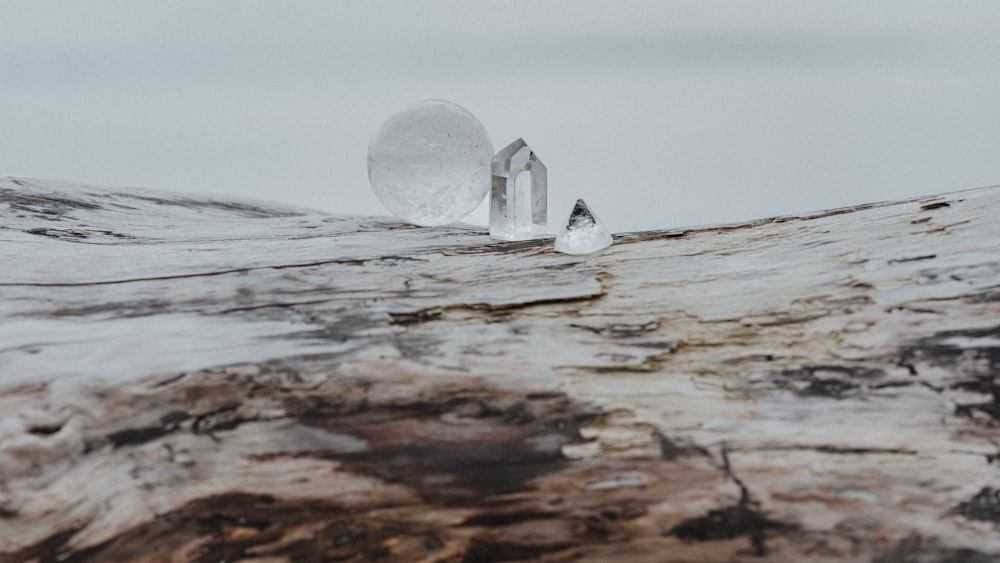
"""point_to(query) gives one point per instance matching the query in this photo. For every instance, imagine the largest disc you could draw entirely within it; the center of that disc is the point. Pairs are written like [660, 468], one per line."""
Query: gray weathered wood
[187, 378]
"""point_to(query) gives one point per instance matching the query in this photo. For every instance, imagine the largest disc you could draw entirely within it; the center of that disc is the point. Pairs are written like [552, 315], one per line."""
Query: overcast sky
[660, 114]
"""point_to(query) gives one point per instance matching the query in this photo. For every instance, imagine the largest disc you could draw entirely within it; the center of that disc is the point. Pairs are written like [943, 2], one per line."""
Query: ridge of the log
[190, 378]
[928, 203]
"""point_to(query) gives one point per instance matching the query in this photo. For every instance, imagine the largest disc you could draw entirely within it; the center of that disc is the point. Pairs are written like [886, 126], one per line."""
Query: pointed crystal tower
[519, 201]
[584, 232]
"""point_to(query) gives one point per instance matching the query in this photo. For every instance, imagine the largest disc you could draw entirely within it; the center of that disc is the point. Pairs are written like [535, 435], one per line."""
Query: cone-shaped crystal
[584, 232]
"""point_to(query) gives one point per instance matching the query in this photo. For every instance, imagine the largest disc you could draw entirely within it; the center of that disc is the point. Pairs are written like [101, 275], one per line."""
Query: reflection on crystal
[518, 204]
[584, 232]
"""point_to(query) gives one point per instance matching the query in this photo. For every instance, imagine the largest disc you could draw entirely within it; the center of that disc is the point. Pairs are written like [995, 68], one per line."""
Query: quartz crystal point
[519, 200]
[584, 232]
[429, 163]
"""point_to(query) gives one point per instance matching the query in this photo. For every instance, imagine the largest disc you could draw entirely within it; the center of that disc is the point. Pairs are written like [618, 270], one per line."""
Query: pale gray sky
[659, 114]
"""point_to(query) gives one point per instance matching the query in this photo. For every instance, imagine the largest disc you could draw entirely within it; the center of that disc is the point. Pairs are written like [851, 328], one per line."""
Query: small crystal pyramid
[584, 232]
[518, 203]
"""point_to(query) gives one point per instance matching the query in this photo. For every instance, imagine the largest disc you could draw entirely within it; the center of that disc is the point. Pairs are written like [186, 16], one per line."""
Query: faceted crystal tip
[584, 232]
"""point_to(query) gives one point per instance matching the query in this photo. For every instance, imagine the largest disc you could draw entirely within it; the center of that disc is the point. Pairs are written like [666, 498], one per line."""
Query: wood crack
[438, 313]
[742, 519]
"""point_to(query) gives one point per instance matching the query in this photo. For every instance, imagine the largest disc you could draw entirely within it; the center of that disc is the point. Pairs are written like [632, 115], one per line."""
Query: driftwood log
[195, 379]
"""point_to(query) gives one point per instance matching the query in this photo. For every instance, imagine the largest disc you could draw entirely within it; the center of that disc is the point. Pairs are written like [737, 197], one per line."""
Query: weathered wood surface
[194, 379]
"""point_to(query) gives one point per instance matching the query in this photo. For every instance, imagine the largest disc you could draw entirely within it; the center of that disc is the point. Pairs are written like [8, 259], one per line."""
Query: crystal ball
[429, 163]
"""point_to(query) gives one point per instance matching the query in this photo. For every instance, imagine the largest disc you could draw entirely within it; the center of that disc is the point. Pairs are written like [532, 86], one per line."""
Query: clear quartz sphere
[429, 163]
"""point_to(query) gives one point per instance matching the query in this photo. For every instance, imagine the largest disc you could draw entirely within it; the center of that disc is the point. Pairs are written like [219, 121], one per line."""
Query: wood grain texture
[201, 379]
